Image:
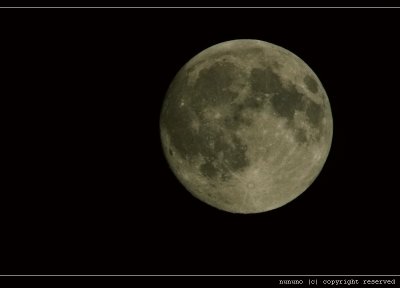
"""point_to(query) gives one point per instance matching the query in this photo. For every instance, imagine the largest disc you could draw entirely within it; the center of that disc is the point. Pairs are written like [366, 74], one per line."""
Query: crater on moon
[245, 126]
[312, 85]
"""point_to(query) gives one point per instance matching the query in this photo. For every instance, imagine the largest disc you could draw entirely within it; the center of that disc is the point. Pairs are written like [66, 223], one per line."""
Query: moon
[246, 126]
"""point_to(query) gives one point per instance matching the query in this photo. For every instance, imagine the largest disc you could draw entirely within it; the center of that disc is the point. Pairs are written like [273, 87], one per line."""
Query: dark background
[86, 189]
[198, 3]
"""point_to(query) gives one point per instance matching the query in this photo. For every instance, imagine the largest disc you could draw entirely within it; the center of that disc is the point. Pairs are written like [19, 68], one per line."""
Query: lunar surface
[246, 126]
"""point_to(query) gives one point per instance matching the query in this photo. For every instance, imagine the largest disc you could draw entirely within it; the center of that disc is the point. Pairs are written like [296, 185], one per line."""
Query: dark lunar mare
[311, 83]
[210, 90]
[286, 99]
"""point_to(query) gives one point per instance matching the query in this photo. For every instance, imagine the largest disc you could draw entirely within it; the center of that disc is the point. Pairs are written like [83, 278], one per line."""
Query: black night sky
[86, 188]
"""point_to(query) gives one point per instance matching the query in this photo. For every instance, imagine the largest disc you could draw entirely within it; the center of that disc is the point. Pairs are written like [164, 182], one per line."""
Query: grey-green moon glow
[246, 126]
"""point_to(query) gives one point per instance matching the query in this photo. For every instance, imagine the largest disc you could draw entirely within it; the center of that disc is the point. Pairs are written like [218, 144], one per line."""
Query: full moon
[246, 126]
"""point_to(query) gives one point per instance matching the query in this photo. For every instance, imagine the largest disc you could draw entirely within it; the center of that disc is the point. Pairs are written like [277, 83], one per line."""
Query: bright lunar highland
[246, 126]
